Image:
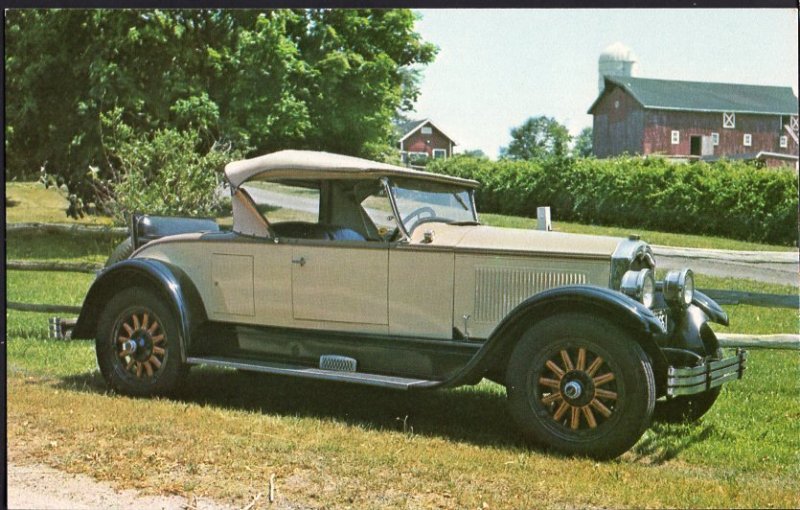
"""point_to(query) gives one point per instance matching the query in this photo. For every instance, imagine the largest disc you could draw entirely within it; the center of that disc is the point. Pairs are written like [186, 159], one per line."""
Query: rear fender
[164, 279]
[492, 358]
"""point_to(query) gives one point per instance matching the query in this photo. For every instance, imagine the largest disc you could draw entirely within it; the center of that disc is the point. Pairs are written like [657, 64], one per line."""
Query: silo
[616, 60]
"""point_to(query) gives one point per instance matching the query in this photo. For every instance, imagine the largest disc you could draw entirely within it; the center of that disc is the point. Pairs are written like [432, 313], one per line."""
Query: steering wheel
[418, 213]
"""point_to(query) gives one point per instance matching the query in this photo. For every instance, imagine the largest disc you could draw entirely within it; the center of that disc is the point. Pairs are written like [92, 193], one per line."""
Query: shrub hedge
[729, 199]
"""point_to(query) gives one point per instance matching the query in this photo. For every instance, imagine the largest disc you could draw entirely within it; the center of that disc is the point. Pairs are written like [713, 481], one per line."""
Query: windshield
[421, 202]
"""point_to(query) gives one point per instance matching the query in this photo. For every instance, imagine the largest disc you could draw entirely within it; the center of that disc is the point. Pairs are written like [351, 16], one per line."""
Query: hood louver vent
[499, 289]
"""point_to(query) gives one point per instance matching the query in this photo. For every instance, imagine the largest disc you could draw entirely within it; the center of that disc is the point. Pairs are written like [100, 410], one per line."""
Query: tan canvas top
[292, 164]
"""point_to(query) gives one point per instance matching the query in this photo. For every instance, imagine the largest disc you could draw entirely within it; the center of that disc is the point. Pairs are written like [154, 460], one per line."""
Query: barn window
[784, 142]
[715, 138]
[427, 130]
[748, 139]
[676, 137]
[729, 120]
[439, 153]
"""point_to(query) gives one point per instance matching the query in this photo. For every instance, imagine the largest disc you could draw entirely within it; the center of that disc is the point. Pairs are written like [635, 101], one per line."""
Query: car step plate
[384, 381]
[337, 363]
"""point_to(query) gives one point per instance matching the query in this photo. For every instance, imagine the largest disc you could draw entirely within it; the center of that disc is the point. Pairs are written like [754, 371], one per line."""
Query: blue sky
[496, 68]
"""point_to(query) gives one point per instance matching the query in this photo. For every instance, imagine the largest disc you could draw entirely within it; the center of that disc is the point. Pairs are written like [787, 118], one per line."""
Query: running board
[383, 381]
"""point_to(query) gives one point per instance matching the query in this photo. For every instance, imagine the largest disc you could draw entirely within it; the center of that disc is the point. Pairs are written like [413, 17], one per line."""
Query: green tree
[259, 80]
[583, 144]
[538, 137]
[475, 153]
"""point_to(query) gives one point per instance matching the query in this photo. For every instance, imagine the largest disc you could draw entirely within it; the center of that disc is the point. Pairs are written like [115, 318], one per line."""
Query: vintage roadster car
[388, 279]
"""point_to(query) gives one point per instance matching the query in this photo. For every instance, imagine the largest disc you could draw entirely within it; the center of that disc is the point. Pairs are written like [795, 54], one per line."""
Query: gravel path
[771, 267]
[40, 487]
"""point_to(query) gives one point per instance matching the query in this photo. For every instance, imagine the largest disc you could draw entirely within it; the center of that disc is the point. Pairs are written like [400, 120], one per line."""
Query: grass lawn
[30, 201]
[334, 445]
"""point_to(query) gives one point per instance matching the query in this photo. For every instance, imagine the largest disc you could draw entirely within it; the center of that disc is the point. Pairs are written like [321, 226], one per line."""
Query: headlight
[640, 285]
[679, 287]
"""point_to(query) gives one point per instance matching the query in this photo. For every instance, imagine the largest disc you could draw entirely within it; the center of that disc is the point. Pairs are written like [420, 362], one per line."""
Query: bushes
[167, 172]
[729, 199]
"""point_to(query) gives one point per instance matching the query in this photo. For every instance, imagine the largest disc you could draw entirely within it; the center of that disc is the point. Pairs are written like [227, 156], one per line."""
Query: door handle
[301, 261]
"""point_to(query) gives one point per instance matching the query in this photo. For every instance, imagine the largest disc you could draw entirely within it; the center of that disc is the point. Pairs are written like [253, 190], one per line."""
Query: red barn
[421, 140]
[695, 120]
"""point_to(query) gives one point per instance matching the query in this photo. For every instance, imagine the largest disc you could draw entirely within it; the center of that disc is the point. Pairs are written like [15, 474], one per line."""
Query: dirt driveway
[40, 487]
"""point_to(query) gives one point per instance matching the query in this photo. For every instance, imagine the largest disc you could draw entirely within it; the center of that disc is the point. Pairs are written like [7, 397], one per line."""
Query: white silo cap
[617, 52]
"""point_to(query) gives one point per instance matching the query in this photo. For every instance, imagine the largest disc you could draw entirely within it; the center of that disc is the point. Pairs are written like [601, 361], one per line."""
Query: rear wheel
[581, 386]
[137, 344]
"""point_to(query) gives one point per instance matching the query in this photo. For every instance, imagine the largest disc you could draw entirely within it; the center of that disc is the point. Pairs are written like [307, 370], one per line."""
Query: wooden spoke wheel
[138, 348]
[580, 385]
[141, 343]
[578, 388]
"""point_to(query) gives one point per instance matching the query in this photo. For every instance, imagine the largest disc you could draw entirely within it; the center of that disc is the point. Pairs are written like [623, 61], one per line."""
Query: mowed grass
[31, 201]
[335, 446]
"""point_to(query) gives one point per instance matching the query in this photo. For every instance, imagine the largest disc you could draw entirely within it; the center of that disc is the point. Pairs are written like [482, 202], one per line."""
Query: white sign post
[543, 219]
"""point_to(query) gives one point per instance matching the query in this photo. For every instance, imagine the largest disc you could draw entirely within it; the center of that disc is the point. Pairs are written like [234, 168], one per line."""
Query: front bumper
[689, 381]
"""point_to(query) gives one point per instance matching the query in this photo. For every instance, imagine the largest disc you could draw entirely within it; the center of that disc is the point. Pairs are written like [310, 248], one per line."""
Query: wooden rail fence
[36, 265]
[74, 230]
[735, 297]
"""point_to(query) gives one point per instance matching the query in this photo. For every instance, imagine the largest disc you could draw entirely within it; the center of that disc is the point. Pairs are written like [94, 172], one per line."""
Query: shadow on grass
[665, 441]
[467, 414]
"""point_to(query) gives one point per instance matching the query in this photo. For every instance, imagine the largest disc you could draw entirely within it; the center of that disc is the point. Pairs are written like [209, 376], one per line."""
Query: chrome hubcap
[573, 389]
[129, 346]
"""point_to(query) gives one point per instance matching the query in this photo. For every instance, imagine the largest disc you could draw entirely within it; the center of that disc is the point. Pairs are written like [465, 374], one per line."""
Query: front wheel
[137, 344]
[580, 385]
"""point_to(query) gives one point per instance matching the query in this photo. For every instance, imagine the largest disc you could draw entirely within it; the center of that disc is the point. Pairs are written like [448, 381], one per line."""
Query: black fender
[626, 312]
[163, 278]
[691, 339]
[714, 312]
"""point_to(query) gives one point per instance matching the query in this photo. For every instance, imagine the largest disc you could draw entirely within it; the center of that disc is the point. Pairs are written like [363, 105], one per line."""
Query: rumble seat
[320, 231]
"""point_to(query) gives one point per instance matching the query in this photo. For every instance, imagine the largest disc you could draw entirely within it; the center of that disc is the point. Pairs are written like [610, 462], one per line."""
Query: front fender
[164, 279]
[710, 307]
[608, 303]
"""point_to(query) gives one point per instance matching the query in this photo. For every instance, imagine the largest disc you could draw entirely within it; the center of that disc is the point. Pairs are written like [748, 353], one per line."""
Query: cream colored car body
[440, 278]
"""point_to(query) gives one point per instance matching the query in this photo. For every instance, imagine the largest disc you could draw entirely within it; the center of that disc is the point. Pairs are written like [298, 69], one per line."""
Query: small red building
[421, 140]
[695, 120]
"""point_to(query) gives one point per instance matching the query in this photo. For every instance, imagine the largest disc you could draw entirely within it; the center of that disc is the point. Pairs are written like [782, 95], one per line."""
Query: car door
[340, 281]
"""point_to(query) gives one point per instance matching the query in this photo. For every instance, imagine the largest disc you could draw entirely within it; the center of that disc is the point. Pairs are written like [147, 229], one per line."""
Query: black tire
[121, 252]
[139, 355]
[554, 380]
[687, 408]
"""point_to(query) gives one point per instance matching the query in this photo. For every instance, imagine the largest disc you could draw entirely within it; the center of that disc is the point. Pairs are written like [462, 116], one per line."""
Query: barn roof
[704, 96]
